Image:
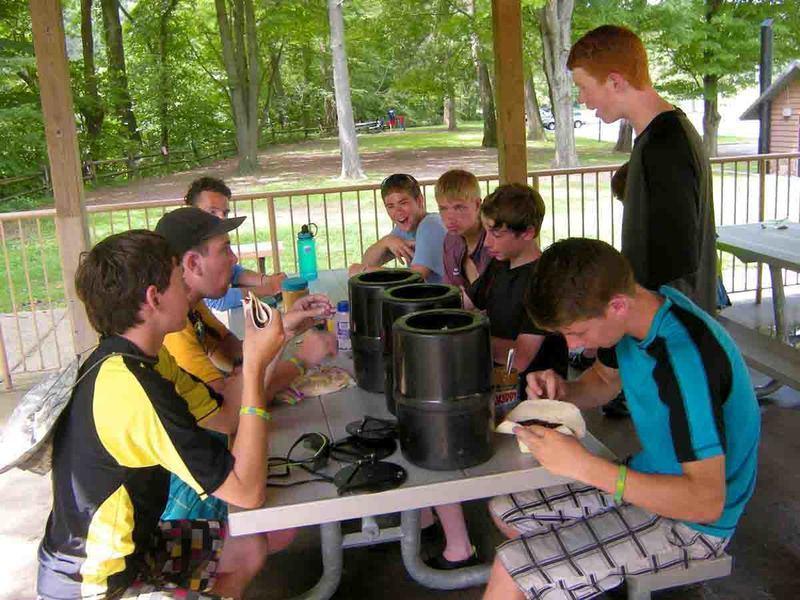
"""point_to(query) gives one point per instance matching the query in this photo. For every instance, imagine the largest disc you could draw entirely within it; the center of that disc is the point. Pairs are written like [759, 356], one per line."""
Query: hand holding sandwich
[557, 452]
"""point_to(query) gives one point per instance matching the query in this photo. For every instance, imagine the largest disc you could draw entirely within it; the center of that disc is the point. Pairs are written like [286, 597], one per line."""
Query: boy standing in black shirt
[668, 232]
[512, 216]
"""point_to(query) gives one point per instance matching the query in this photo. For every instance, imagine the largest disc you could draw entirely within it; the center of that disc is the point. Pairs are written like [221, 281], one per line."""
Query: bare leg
[458, 546]
[506, 530]
[501, 586]
[278, 540]
[242, 558]
[425, 518]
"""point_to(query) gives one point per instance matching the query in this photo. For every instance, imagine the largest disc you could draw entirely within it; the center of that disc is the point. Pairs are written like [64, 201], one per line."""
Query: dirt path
[287, 163]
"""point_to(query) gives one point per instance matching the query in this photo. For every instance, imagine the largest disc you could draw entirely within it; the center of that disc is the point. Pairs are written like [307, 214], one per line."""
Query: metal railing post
[762, 200]
[4, 368]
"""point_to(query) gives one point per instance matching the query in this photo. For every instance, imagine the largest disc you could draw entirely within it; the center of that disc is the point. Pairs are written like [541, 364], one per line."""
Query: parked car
[549, 122]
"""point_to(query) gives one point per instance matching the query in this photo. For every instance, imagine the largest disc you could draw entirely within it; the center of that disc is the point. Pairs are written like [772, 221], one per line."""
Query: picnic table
[318, 503]
[776, 244]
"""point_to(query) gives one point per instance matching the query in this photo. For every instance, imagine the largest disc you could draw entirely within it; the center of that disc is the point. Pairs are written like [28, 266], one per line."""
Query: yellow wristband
[254, 410]
[619, 492]
[299, 364]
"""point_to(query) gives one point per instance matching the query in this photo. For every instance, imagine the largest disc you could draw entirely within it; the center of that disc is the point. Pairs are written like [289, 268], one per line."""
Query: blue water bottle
[307, 252]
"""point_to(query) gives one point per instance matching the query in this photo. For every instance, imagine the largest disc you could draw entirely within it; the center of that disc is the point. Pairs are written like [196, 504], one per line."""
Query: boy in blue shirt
[695, 413]
[417, 239]
[213, 196]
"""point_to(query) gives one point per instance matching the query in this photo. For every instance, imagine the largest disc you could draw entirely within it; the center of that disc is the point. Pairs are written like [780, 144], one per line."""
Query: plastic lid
[343, 306]
[294, 284]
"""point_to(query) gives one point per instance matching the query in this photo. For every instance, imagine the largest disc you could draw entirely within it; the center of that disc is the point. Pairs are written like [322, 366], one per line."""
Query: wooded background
[176, 80]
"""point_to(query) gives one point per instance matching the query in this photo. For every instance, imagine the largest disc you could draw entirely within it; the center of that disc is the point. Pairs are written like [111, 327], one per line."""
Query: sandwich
[260, 313]
[564, 417]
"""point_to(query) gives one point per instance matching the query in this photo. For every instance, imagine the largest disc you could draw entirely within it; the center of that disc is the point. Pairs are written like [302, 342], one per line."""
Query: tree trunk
[92, 109]
[555, 25]
[163, 73]
[535, 127]
[487, 107]
[240, 55]
[348, 141]
[450, 113]
[711, 116]
[625, 137]
[119, 94]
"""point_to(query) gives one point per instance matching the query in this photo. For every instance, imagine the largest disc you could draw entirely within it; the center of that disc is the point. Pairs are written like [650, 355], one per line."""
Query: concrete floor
[766, 547]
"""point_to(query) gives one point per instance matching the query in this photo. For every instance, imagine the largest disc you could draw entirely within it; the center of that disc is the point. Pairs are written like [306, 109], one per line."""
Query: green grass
[343, 240]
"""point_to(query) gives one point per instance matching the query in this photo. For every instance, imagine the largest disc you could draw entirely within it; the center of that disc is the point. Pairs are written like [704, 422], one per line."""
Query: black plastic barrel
[443, 388]
[365, 291]
[403, 300]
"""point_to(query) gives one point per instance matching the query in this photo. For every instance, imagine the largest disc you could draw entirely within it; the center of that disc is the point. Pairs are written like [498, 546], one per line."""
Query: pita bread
[316, 382]
[565, 414]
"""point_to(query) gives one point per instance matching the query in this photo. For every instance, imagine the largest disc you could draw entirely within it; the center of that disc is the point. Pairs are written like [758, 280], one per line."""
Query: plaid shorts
[576, 543]
[182, 562]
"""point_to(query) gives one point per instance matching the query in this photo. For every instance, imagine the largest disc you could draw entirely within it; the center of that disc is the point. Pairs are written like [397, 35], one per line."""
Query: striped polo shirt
[130, 422]
[691, 398]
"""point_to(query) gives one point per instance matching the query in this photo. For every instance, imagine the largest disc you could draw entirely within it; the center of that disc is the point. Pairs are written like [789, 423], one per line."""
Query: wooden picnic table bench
[767, 355]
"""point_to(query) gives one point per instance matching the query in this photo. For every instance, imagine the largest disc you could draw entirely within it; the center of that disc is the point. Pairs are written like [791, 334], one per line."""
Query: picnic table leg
[778, 304]
[331, 546]
[422, 573]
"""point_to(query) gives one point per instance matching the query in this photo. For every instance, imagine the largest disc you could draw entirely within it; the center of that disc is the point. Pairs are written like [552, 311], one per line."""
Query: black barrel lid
[371, 429]
[369, 477]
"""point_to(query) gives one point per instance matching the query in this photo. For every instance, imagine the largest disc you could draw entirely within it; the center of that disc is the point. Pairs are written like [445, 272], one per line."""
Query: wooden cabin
[783, 96]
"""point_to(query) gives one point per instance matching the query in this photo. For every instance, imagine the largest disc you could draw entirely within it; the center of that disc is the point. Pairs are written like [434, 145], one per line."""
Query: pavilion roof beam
[512, 156]
[62, 150]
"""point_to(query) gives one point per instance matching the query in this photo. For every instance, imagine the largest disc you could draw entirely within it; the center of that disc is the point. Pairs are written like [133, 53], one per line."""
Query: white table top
[507, 471]
[754, 242]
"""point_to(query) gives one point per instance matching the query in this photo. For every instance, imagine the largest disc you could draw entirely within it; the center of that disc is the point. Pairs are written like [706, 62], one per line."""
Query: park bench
[260, 250]
[767, 355]
[640, 586]
[370, 126]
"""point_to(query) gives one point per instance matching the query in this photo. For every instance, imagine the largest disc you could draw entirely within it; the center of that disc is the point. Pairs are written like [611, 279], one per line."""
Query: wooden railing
[35, 336]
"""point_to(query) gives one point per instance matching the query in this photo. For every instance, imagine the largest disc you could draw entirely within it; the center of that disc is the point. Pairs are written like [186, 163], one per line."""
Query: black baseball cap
[188, 227]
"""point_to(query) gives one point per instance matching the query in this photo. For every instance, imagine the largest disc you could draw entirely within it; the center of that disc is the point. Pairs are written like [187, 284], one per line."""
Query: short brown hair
[205, 184]
[574, 280]
[457, 184]
[516, 206]
[611, 48]
[112, 278]
[400, 182]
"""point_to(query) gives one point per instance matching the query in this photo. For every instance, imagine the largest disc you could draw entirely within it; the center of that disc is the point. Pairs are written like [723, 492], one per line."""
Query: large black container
[403, 300]
[365, 290]
[442, 386]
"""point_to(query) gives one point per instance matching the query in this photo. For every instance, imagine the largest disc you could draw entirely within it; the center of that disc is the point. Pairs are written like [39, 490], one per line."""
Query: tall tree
[119, 94]
[450, 111]
[90, 105]
[237, 28]
[555, 22]
[704, 48]
[164, 87]
[348, 141]
[535, 127]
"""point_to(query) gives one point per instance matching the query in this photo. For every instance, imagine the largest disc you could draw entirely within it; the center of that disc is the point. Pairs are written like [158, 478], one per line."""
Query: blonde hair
[457, 183]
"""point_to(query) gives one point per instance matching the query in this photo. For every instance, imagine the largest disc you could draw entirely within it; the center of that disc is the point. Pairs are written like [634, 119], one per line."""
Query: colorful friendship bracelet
[254, 410]
[622, 475]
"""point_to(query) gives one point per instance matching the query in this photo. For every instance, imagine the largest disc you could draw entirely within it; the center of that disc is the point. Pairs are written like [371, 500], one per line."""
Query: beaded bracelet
[254, 410]
[622, 474]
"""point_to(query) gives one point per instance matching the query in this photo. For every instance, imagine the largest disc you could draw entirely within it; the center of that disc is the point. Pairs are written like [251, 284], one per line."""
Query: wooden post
[512, 154]
[62, 150]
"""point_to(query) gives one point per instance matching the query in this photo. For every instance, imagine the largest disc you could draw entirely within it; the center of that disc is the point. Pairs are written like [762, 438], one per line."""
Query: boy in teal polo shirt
[695, 413]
